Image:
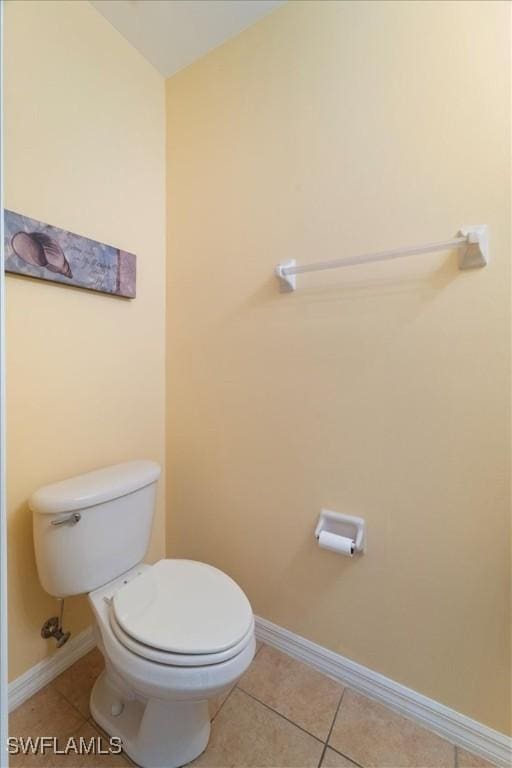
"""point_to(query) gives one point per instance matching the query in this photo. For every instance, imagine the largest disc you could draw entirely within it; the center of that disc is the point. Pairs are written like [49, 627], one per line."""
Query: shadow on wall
[23, 567]
[384, 280]
[37, 604]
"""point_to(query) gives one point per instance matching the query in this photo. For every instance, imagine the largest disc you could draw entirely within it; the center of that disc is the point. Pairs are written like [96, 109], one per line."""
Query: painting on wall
[40, 250]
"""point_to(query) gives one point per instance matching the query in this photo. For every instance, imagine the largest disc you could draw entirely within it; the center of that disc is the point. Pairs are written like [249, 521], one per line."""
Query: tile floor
[281, 714]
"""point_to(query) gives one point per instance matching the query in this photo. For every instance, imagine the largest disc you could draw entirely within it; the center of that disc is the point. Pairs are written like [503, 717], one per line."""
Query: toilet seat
[177, 659]
[182, 613]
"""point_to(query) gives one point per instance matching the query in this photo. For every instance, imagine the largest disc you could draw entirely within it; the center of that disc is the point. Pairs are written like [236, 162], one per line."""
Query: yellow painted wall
[329, 129]
[84, 150]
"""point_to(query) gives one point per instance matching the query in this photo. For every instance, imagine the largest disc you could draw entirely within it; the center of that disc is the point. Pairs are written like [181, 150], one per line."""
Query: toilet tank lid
[94, 488]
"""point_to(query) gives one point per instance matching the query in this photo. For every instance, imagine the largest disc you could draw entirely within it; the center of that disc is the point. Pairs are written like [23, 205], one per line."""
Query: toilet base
[154, 733]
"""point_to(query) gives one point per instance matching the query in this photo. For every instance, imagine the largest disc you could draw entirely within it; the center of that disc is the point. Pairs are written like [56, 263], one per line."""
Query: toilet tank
[92, 528]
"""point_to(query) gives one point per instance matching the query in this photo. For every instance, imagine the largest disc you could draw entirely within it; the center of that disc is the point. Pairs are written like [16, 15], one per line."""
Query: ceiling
[171, 34]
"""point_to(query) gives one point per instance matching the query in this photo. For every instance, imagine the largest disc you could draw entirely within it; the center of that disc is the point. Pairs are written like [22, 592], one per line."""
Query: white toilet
[173, 634]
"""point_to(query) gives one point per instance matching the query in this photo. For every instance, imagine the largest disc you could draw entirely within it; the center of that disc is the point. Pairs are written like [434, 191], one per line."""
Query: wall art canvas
[40, 250]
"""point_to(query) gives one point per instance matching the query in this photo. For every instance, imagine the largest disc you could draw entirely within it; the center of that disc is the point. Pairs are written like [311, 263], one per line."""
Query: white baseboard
[451, 725]
[35, 678]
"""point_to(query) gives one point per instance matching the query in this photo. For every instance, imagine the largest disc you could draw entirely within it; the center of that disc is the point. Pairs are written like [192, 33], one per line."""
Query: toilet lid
[182, 606]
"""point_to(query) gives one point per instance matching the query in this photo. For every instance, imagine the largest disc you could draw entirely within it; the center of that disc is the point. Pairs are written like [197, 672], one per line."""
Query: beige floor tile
[333, 759]
[246, 733]
[88, 732]
[105, 735]
[216, 703]
[467, 760]
[71, 760]
[376, 737]
[298, 692]
[76, 683]
[47, 713]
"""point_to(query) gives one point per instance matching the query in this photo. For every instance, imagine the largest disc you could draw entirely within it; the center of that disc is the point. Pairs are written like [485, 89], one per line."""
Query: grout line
[70, 703]
[105, 735]
[84, 718]
[98, 727]
[234, 686]
[456, 757]
[330, 729]
[262, 645]
[350, 759]
[227, 697]
[275, 711]
[53, 683]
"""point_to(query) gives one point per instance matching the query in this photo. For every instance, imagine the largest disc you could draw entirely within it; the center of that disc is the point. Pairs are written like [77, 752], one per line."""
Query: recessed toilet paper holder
[348, 526]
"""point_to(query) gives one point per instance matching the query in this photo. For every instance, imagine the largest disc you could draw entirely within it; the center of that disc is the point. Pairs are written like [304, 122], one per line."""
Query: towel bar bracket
[476, 252]
[287, 283]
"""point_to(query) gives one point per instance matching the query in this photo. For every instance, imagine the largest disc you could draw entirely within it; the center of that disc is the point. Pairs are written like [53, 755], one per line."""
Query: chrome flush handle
[69, 520]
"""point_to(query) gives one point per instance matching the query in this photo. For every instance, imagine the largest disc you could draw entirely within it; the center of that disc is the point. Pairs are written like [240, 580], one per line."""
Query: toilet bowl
[173, 634]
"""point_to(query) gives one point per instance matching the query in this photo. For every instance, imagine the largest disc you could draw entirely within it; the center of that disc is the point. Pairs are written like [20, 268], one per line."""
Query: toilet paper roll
[340, 544]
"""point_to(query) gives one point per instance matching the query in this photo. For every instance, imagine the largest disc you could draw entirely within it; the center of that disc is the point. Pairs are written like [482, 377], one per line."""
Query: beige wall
[84, 150]
[326, 130]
